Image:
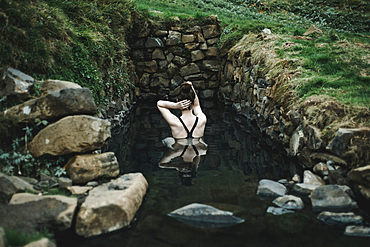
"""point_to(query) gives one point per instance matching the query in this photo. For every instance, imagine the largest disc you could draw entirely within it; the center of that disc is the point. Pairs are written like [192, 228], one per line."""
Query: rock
[158, 54]
[174, 38]
[30, 213]
[172, 70]
[203, 47]
[79, 190]
[321, 169]
[14, 83]
[197, 55]
[296, 178]
[206, 94]
[200, 84]
[56, 85]
[212, 52]
[204, 216]
[365, 191]
[358, 231]
[296, 142]
[179, 61]
[72, 134]
[44, 242]
[176, 81]
[266, 31]
[177, 50]
[192, 46]
[310, 178]
[278, 211]
[84, 168]
[92, 184]
[341, 219]
[312, 29]
[144, 80]
[188, 38]
[161, 33]
[210, 31]
[304, 189]
[334, 198]
[270, 189]
[111, 206]
[328, 157]
[31, 181]
[148, 66]
[295, 117]
[313, 135]
[341, 140]
[337, 175]
[9, 185]
[153, 43]
[361, 175]
[289, 202]
[212, 65]
[212, 41]
[189, 69]
[64, 182]
[54, 105]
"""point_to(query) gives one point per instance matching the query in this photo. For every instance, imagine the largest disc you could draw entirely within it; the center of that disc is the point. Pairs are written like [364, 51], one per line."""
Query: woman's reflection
[184, 156]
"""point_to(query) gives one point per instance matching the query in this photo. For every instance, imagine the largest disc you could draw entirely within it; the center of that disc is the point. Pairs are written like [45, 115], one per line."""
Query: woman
[192, 122]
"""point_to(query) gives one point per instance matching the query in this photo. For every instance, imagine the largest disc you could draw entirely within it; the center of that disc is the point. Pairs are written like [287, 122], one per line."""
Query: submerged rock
[278, 211]
[359, 231]
[270, 189]
[341, 219]
[289, 202]
[204, 216]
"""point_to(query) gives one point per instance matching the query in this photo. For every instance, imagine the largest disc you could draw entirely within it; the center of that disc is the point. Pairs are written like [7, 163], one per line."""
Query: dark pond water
[238, 156]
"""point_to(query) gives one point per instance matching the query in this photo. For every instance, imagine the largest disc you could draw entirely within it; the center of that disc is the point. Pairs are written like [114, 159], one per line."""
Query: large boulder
[111, 206]
[14, 83]
[84, 168]
[57, 85]
[32, 213]
[334, 198]
[54, 105]
[72, 134]
[9, 185]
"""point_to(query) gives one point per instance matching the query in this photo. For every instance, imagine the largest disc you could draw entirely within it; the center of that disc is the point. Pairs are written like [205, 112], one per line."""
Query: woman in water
[187, 130]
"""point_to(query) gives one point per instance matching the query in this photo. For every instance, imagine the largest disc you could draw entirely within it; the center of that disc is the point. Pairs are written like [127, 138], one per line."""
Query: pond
[238, 156]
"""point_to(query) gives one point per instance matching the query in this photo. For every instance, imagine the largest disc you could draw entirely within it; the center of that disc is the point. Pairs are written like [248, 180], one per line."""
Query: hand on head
[184, 104]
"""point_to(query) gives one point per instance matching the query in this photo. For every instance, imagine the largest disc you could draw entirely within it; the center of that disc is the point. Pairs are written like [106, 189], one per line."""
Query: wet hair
[186, 92]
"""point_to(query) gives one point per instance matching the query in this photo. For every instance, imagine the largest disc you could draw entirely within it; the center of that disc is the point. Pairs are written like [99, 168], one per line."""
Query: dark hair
[186, 92]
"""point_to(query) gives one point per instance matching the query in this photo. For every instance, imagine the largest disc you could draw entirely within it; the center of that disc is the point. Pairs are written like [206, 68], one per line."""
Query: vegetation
[18, 238]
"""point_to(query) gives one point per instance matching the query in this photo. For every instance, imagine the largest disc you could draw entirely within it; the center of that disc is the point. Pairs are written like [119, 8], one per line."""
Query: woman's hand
[183, 104]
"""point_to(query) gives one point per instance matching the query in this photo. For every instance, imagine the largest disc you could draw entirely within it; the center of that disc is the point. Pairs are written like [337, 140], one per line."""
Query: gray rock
[358, 231]
[72, 134]
[321, 169]
[32, 181]
[111, 206]
[14, 83]
[56, 85]
[205, 216]
[296, 178]
[9, 185]
[54, 105]
[278, 211]
[79, 190]
[64, 182]
[92, 184]
[270, 189]
[44, 242]
[174, 38]
[85, 168]
[296, 142]
[289, 202]
[304, 189]
[310, 178]
[153, 42]
[334, 198]
[341, 219]
[29, 213]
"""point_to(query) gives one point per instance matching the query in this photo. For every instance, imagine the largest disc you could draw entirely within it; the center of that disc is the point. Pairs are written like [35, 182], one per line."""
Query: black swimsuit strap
[190, 133]
[186, 147]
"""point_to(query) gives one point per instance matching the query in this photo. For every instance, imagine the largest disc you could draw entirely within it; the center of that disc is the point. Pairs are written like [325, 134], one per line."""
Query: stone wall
[165, 58]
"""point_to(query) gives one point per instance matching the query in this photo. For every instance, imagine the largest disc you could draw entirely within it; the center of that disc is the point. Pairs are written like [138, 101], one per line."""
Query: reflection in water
[184, 156]
[238, 156]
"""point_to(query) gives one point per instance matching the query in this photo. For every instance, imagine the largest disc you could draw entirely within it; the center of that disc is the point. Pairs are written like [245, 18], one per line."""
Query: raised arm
[164, 106]
[196, 109]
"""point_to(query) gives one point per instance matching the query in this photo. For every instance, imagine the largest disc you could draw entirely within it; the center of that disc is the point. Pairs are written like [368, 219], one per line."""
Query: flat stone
[56, 85]
[270, 189]
[289, 202]
[111, 206]
[14, 83]
[358, 231]
[341, 219]
[327, 157]
[304, 189]
[278, 211]
[192, 46]
[334, 198]
[79, 190]
[212, 52]
[188, 38]
[64, 182]
[9, 185]
[44, 242]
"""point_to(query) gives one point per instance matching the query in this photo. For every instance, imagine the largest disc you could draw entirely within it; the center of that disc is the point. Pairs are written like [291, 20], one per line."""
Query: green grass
[19, 238]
